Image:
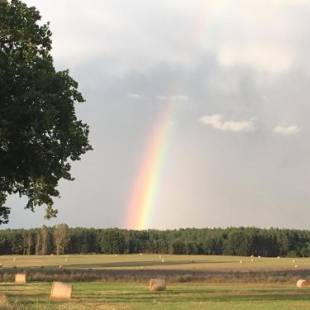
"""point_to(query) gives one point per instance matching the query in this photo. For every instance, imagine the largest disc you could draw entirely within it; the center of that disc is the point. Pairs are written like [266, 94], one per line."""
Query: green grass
[178, 296]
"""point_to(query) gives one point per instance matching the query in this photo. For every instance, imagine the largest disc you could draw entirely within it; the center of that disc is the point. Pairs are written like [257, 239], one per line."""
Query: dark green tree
[40, 134]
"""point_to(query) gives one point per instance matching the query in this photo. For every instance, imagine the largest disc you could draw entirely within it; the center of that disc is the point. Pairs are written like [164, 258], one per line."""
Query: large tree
[40, 134]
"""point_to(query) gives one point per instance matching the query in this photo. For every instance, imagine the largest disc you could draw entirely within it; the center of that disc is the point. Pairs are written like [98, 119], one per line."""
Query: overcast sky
[237, 73]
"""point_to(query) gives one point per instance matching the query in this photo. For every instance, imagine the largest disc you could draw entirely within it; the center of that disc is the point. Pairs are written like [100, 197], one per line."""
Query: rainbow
[146, 188]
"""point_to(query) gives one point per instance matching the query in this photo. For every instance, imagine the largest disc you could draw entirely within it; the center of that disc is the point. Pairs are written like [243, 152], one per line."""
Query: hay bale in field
[241, 262]
[303, 283]
[293, 261]
[295, 266]
[60, 267]
[61, 291]
[20, 278]
[3, 300]
[157, 285]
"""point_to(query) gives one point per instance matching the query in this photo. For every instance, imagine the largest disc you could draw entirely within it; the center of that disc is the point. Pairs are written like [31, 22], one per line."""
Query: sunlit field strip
[147, 261]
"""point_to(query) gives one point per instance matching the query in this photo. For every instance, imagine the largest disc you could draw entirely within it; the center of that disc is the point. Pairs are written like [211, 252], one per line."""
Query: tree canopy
[240, 241]
[40, 134]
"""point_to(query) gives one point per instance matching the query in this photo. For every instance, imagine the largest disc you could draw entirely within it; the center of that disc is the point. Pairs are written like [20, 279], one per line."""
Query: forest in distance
[241, 241]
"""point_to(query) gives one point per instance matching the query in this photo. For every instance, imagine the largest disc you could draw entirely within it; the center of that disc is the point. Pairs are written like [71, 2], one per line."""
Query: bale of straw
[61, 291]
[157, 285]
[303, 283]
[20, 278]
[3, 300]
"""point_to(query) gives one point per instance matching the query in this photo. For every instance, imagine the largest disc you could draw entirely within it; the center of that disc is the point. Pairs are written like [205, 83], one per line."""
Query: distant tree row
[242, 241]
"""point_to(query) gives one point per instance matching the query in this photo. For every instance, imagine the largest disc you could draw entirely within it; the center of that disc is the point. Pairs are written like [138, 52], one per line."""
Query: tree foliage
[40, 134]
[230, 241]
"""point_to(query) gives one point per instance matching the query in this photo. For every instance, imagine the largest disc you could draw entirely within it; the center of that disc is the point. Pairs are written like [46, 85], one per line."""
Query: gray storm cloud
[239, 67]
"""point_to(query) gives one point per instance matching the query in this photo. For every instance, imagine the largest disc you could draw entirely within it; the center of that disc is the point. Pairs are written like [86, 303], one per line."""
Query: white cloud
[134, 96]
[274, 59]
[286, 130]
[217, 121]
[267, 35]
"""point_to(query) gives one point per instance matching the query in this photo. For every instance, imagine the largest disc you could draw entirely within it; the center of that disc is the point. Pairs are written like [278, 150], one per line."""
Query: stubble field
[120, 282]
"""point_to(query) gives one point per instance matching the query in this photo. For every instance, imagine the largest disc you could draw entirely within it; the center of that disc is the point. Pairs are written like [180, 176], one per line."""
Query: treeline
[61, 239]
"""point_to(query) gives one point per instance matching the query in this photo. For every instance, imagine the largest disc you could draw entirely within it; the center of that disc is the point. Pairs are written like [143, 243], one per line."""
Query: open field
[194, 282]
[134, 296]
[161, 262]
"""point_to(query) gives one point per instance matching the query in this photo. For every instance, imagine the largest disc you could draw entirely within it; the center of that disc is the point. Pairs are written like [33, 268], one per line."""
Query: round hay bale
[156, 285]
[241, 262]
[3, 300]
[61, 291]
[60, 267]
[20, 278]
[303, 283]
[295, 266]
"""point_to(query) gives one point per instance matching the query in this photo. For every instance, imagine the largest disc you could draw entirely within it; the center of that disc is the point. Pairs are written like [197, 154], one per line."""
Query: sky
[235, 75]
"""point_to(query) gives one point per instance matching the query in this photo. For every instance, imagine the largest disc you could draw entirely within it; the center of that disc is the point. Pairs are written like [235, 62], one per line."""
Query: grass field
[212, 293]
[147, 261]
[178, 296]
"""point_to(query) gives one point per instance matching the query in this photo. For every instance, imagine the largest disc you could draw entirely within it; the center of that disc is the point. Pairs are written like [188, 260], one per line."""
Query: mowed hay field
[135, 296]
[269, 283]
[151, 261]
